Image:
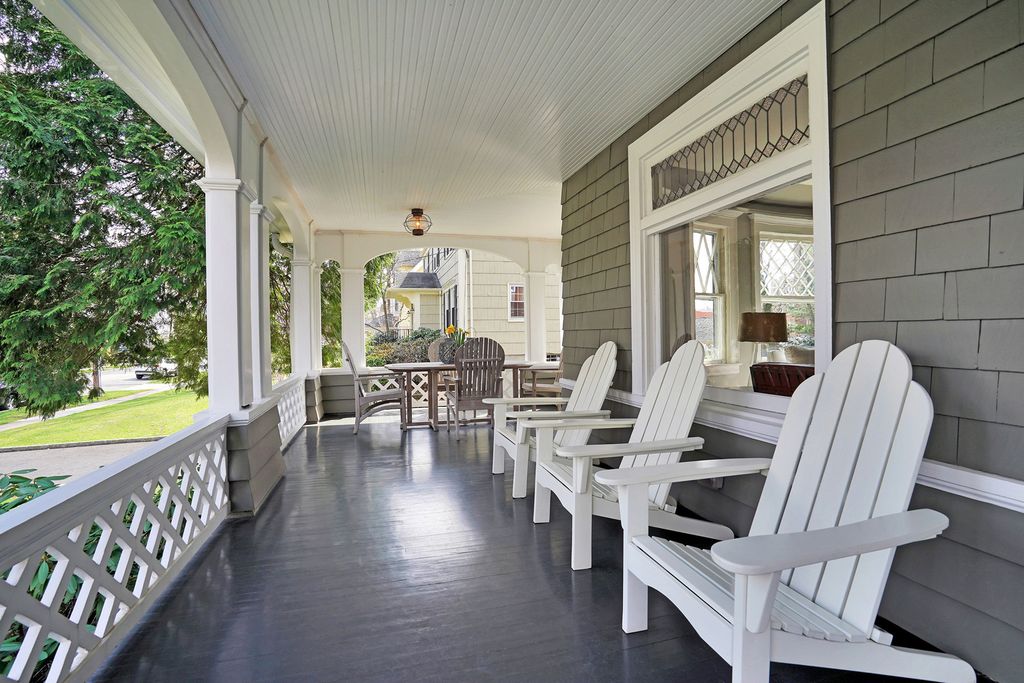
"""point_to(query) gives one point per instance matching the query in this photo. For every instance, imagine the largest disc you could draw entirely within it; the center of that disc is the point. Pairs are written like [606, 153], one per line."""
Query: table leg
[432, 400]
[408, 398]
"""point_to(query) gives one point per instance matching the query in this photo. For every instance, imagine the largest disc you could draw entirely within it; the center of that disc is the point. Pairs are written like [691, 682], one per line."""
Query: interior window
[752, 258]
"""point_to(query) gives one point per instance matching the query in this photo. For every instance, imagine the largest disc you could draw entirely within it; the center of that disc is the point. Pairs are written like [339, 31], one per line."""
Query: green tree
[101, 223]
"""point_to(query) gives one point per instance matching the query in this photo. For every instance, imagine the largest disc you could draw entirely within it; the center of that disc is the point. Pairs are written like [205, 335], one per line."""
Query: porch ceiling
[463, 108]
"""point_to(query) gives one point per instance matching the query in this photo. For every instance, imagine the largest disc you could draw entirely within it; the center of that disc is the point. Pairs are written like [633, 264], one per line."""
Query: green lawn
[7, 416]
[156, 415]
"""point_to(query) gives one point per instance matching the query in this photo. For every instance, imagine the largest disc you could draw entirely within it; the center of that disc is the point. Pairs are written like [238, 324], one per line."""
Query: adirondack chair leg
[634, 603]
[541, 503]
[498, 459]
[751, 652]
[520, 469]
[582, 523]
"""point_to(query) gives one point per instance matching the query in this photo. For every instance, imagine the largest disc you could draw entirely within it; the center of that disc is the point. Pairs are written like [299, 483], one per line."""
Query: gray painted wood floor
[391, 557]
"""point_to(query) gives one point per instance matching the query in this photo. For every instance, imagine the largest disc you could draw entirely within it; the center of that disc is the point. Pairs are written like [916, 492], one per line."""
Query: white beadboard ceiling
[459, 106]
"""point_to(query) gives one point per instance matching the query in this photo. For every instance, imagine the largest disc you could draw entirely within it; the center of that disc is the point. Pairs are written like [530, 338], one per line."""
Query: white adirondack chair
[585, 401]
[804, 587]
[660, 435]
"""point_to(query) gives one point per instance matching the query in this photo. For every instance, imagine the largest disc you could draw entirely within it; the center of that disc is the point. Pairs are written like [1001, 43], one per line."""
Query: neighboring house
[478, 291]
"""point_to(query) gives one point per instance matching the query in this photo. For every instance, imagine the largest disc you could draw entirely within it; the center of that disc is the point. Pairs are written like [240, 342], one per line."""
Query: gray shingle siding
[927, 111]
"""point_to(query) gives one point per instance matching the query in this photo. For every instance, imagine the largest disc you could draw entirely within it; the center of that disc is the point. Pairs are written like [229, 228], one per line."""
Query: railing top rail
[287, 383]
[23, 528]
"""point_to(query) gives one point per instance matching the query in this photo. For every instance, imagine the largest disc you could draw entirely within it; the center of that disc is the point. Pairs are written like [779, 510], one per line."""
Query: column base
[255, 462]
[314, 400]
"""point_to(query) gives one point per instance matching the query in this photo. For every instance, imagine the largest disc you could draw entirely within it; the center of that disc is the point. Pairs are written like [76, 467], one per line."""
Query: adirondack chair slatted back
[478, 366]
[668, 409]
[849, 450]
[357, 386]
[592, 383]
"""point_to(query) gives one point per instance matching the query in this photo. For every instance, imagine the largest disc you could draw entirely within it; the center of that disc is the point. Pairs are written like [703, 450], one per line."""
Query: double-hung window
[708, 293]
[516, 302]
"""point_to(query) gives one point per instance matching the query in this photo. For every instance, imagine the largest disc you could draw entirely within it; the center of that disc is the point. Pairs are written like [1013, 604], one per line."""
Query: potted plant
[456, 338]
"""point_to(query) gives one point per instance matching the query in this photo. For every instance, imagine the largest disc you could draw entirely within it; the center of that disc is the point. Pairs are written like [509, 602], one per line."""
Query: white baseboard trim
[764, 425]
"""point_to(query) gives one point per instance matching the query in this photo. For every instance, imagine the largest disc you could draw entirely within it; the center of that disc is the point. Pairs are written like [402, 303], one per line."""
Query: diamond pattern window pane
[787, 268]
[705, 262]
[776, 123]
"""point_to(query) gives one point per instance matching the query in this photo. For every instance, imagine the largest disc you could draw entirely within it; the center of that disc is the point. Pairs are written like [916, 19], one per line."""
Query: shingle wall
[928, 193]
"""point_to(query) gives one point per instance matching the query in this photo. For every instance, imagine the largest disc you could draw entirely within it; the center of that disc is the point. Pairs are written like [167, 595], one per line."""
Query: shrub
[411, 349]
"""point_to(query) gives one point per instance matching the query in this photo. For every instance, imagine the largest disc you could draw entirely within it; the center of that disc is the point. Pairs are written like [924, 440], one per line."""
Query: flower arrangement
[457, 335]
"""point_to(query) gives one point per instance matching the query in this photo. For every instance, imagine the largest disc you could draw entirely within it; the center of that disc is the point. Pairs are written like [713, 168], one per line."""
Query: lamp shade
[763, 327]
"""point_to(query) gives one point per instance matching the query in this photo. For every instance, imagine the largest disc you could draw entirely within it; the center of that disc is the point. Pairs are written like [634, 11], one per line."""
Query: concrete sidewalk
[151, 389]
[75, 460]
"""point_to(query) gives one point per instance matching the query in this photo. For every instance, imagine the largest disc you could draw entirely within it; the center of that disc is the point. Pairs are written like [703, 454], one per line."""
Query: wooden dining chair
[479, 364]
[369, 401]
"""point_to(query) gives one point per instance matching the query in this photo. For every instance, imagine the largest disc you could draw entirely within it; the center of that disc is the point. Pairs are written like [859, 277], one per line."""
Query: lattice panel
[776, 123]
[787, 268]
[705, 271]
[73, 592]
[291, 408]
[420, 386]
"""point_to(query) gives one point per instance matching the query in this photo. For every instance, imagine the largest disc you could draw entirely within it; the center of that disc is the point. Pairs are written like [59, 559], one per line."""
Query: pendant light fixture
[417, 222]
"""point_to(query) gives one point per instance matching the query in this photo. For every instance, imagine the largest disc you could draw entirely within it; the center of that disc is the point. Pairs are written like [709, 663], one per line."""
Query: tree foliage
[101, 222]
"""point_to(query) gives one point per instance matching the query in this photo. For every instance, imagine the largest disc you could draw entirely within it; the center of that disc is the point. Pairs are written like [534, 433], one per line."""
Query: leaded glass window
[776, 123]
[787, 268]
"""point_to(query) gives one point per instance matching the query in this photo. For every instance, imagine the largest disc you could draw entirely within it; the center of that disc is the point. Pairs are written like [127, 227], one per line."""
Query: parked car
[9, 397]
[164, 368]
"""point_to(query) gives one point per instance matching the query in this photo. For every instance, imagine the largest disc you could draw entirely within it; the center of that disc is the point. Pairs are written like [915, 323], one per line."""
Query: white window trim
[508, 307]
[797, 50]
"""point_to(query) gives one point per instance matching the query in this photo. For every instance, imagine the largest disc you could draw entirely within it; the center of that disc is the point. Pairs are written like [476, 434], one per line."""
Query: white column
[259, 268]
[536, 319]
[352, 307]
[228, 301]
[305, 322]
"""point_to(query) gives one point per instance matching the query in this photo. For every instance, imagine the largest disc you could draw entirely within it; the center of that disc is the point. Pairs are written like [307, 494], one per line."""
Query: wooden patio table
[433, 371]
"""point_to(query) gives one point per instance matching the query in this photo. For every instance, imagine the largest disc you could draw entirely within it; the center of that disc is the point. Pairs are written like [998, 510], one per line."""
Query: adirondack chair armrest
[526, 401]
[558, 414]
[682, 471]
[760, 555]
[611, 450]
[585, 423]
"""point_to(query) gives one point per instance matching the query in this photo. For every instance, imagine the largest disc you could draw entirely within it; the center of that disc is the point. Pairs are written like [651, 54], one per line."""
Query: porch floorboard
[393, 557]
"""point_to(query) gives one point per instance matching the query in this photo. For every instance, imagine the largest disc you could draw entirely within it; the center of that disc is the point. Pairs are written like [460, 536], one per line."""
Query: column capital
[542, 273]
[261, 210]
[353, 271]
[209, 184]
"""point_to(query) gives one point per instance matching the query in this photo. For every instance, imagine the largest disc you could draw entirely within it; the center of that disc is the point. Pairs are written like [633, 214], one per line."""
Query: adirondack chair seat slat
[562, 469]
[792, 612]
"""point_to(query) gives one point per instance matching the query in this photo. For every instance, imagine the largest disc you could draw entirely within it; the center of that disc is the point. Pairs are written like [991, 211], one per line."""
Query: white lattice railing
[291, 407]
[421, 386]
[82, 563]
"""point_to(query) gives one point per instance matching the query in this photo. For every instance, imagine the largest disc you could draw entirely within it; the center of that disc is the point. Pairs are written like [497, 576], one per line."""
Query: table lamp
[762, 328]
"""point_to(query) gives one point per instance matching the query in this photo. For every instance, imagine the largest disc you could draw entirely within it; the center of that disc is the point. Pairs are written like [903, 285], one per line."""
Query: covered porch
[266, 542]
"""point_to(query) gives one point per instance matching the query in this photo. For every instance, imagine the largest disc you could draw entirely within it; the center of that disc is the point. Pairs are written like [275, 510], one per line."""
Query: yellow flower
[450, 329]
